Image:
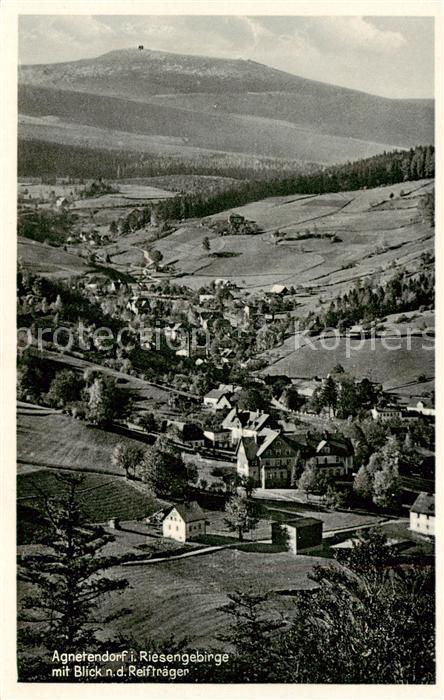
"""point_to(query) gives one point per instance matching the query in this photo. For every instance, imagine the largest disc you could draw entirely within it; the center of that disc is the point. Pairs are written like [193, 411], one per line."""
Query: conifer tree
[67, 584]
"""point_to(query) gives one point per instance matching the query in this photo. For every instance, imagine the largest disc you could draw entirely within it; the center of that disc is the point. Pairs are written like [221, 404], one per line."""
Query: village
[252, 438]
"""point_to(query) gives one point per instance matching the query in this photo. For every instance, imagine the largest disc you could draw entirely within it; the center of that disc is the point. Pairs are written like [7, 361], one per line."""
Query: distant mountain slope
[135, 74]
[225, 105]
[169, 126]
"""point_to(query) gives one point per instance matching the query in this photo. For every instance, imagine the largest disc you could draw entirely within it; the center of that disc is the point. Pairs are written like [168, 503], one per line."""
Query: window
[177, 528]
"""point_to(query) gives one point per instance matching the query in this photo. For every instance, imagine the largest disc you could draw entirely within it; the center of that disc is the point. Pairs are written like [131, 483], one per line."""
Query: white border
[9, 11]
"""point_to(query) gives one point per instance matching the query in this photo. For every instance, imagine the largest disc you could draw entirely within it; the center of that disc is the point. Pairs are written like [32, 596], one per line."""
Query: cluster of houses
[266, 452]
[424, 408]
[188, 325]
[184, 521]
[91, 238]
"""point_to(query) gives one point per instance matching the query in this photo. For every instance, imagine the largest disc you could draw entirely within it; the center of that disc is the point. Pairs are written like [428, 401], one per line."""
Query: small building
[174, 331]
[422, 514]
[208, 299]
[184, 521]
[423, 407]
[218, 400]
[188, 433]
[298, 535]
[245, 423]
[279, 290]
[62, 202]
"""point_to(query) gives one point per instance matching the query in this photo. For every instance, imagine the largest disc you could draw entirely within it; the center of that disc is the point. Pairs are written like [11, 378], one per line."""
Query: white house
[217, 400]
[386, 413]
[218, 438]
[279, 289]
[184, 521]
[268, 459]
[334, 454]
[62, 202]
[422, 408]
[422, 514]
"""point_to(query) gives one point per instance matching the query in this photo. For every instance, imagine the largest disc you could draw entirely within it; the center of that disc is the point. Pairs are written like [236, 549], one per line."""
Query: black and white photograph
[225, 347]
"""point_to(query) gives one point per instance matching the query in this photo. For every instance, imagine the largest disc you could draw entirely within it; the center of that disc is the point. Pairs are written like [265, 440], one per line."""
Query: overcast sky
[390, 56]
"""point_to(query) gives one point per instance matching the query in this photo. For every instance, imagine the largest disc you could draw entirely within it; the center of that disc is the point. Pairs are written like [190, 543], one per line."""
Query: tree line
[383, 169]
[402, 293]
[51, 160]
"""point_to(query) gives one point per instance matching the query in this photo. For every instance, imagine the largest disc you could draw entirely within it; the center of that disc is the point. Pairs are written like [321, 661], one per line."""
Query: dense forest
[51, 160]
[384, 169]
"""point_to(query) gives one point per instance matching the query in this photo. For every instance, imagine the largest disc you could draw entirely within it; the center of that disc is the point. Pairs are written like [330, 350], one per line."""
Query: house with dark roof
[189, 433]
[422, 514]
[279, 289]
[269, 459]
[245, 423]
[334, 453]
[184, 521]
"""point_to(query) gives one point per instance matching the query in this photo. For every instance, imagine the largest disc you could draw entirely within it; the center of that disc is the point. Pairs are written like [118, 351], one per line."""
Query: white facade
[176, 527]
[422, 523]
[421, 408]
[386, 413]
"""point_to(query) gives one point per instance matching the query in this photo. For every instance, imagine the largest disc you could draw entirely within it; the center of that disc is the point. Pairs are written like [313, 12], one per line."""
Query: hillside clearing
[185, 598]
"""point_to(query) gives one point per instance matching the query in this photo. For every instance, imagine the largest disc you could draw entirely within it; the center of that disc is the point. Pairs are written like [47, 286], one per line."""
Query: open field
[185, 598]
[333, 520]
[48, 437]
[100, 496]
[373, 240]
[50, 262]
[368, 358]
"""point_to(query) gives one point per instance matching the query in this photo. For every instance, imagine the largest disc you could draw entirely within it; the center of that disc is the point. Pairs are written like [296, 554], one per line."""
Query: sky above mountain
[389, 56]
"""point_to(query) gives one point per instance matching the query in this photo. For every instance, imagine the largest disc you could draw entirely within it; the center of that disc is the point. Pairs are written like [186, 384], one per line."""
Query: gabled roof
[216, 394]
[425, 503]
[338, 445]
[190, 431]
[250, 446]
[278, 288]
[189, 512]
[270, 437]
[251, 420]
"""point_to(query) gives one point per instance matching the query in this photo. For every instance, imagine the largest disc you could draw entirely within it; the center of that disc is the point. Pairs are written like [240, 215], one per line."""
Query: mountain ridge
[222, 91]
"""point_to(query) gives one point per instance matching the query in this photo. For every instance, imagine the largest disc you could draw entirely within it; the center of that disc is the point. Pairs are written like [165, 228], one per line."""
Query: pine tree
[329, 394]
[62, 611]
